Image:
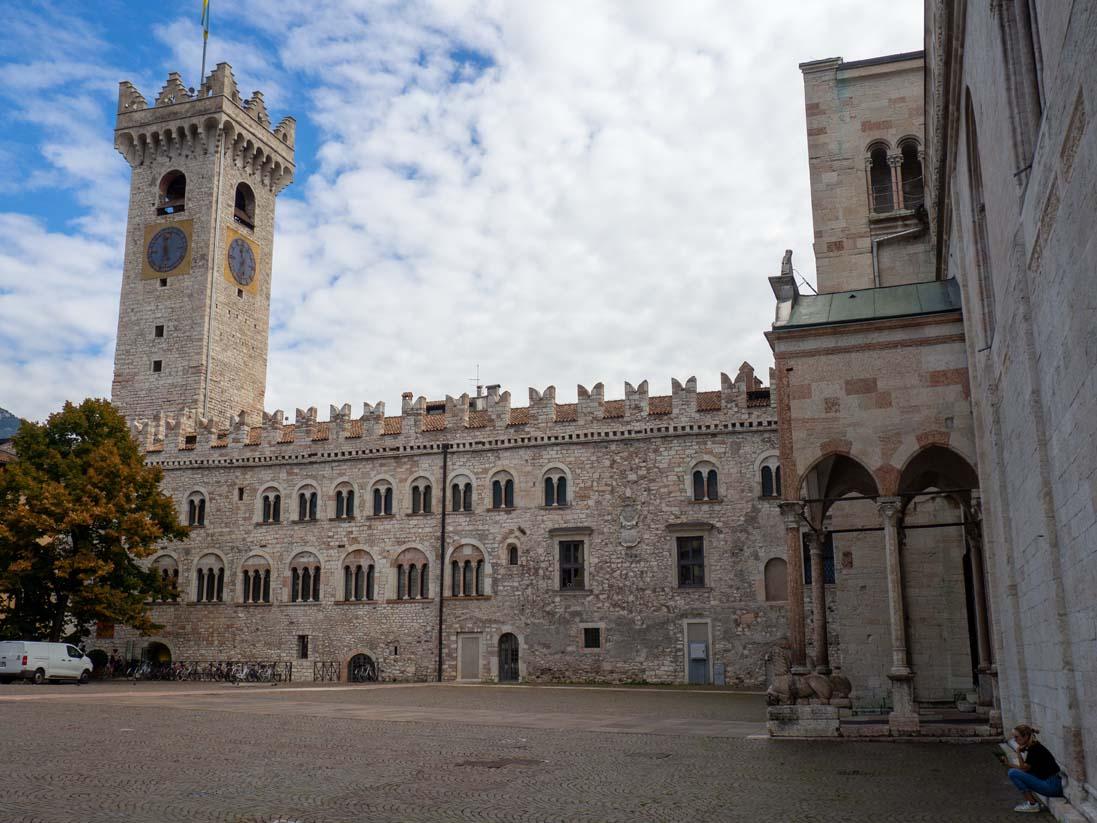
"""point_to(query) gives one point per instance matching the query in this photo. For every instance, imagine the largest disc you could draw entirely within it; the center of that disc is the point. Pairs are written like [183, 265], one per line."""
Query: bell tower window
[243, 211]
[173, 193]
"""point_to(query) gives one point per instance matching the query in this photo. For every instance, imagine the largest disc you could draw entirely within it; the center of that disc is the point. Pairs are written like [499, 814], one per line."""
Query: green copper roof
[909, 300]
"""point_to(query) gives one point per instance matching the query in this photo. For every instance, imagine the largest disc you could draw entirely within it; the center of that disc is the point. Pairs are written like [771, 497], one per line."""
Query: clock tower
[194, 312]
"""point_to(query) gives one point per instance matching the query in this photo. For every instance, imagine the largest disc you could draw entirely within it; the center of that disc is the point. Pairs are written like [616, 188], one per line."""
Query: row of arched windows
[173, 199]
[704, 486]
[467, 578]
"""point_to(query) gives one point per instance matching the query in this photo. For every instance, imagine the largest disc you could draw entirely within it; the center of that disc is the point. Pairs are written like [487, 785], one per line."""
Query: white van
[39, 662]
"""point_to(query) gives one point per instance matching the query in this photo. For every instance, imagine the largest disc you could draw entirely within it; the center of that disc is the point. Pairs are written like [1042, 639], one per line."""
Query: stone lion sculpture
[788, 688]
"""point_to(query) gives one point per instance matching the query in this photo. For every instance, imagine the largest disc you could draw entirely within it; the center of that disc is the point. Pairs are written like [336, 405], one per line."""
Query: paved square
[162, 752]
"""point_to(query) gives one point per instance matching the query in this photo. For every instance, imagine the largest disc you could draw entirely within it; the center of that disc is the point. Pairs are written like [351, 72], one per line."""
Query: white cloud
[604, 201]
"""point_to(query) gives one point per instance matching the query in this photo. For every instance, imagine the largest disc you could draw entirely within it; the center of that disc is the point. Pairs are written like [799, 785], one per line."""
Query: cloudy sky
[559, 192]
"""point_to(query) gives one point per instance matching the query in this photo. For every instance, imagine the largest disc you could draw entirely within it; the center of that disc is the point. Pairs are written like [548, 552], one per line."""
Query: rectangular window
[158, 331]
[592, 637]
[163, 282]
[240, 493]
[691, 561]
[572, 566]
[303, 647]
[157, 366]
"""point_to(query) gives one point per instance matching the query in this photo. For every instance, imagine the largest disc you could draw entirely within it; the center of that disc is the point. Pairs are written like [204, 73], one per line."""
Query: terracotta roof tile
[661, 404]
[567, 412]
[392, 425]
[613, 408]
[434, 422]
[255, 436]
[287, 434]
[158, 447]
[354, 428]
[321, 432]
[709, 401]
[518, 417]
[479, 419]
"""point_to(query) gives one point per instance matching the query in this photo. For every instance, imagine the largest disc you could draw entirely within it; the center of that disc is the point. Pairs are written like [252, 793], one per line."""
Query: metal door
[468, 657]
[697, 652]
[508, 658]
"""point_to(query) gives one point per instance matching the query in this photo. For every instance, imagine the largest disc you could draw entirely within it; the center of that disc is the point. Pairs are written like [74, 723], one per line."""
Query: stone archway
[362, 668]
[157, 652]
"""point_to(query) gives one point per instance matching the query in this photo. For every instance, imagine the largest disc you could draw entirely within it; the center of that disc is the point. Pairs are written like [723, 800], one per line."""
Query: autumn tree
[78, 510]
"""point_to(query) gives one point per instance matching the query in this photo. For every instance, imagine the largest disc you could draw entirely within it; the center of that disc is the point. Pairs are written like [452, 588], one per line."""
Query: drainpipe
[442, 555]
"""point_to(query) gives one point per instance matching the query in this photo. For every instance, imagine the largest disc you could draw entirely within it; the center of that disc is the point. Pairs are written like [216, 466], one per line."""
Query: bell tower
[194, 311]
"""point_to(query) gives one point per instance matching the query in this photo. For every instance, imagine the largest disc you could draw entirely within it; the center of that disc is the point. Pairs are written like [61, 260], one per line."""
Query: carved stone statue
[788, 688]
[786, 264]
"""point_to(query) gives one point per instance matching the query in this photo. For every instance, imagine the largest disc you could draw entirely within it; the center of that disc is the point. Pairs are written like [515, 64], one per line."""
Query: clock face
[167, 249]
[241, 262]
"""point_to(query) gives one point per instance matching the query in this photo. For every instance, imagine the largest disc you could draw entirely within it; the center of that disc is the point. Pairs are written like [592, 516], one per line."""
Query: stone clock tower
[195, 306]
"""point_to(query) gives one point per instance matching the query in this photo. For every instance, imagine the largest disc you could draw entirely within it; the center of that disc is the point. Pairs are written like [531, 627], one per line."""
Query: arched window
[344, 501]
[767, 481]
[421, 502]
[167, 570]
[243, 211]
[307, 500]
[776, 580]
[210, 579]
[705, 482]
[196, 509]
[173, 193]
[770, 477]
[461, 494]
[984, 281]
[470, 569]
[271, 506]
[910, 173]
[502, 490]
[382, 498]
[556, 487]
[358, 575]
[255, 577]
[304, 578]
[881, 196]
[512, 555]
[411, 575]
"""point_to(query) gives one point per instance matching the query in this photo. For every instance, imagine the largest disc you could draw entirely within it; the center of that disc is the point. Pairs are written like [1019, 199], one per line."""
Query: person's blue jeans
[1026, 782]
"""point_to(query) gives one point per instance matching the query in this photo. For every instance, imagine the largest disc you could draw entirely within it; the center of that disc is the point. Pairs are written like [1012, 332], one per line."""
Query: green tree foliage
[78, 509]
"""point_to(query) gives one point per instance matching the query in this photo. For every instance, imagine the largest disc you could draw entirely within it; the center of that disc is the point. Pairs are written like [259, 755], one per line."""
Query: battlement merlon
[182, 123]
[741, 403]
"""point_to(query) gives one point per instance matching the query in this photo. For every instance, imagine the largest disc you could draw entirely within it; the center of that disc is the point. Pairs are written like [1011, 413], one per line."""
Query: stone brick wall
[629, 464]
[850, 107]
[1021, 105]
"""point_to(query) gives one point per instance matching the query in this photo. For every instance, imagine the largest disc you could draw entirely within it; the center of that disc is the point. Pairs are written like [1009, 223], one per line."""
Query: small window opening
[244, 207]
[173, 193]
[303, 647]
[911, 173]
[592, 637]
[883, 199]
[163, 282]
[158, 331]
[157, 366]
[240, 493]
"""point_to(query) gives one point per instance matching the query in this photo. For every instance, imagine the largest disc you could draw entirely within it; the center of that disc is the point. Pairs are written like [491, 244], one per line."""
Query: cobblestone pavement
[164, 752]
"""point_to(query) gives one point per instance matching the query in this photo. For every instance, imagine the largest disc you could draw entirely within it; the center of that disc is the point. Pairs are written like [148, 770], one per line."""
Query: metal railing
[327, 671]
[226, 671]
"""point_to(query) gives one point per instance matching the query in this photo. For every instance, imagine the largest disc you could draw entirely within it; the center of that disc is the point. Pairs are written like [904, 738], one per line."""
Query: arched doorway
[508, 658]
[157, 653]
[361, 669]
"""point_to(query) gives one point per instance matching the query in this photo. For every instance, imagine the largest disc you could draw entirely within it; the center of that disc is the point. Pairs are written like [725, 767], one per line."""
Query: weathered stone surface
[801, 720]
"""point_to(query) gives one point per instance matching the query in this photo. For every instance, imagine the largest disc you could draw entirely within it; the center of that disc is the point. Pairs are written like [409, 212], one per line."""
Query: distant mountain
[9, 424]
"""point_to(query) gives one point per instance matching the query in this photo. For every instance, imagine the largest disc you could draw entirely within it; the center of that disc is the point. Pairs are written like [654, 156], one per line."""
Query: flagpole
[205, 39]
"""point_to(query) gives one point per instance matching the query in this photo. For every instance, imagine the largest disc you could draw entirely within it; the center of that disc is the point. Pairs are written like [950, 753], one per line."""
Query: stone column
[904, 716]
[817, 541]
[988, 672]
[791, 511]
[896, 163]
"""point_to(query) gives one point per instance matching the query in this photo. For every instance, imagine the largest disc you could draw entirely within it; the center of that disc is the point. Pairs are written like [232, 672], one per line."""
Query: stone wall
[1012, 99]
[630, 497]
[851, 107]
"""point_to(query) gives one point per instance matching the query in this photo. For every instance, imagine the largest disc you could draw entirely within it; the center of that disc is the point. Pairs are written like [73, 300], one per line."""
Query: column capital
[889, 508]
[792, 511]
[895, 160]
